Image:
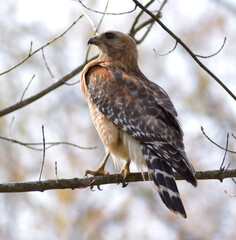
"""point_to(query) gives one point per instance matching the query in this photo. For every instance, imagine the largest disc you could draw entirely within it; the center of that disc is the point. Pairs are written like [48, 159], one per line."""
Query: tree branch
[35, 97]
[107, 13]
[185, 47]
[101, 180]
[41, 48]
[37, 146]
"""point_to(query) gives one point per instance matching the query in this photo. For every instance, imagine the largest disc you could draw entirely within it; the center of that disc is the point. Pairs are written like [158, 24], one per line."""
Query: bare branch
[27, 87]
[186, 48]
[88, 17]
[202, 129]
[226, 149]
[233, 136]
[47, 144]
[145, 34]
[101, 180]
[164, 54]
[135, 29]
[100, 22]
[44, 151]
[35, 97]
[107, 13]
[31, 47]
[96, 29]
[46, 64]
[10, 125]
[31, 44]
[214, 54]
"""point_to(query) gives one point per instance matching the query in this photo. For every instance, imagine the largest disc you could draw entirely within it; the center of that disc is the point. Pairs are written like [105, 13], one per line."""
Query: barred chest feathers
[121, 145]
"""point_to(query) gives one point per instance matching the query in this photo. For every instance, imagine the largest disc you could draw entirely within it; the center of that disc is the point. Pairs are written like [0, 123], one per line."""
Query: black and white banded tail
[160, 163]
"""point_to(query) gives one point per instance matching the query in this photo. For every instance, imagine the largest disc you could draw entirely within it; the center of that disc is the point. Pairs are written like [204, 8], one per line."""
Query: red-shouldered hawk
[134, 117]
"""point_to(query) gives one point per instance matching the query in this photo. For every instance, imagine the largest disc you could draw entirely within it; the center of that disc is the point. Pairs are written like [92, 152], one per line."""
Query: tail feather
[176, 159]
[163, 177]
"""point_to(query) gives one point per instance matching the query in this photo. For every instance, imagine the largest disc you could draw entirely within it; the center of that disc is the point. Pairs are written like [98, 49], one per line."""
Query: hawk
[134, 117]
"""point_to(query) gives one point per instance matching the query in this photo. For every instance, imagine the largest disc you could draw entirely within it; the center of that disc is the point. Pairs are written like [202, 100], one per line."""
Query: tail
[160, 162]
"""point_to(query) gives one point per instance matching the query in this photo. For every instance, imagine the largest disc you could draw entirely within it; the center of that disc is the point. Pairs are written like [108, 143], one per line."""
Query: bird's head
[115, 46]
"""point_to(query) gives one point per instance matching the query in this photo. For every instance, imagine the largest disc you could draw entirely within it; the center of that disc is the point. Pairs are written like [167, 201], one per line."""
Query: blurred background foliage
[134, 212]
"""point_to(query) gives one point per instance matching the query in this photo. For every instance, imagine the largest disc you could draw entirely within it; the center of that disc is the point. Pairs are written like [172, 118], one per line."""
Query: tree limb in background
[101, 180]
[37, 146]
[35, 97]
[226, 149]
[93, 26]
[44, 153]
[185, 47]
[214, 54]
[47, 44]
[107, 13]
[27, 87]
[46, 64]
[165, 54]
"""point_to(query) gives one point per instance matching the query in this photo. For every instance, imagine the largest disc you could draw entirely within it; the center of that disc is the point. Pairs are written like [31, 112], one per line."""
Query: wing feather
[130, 102]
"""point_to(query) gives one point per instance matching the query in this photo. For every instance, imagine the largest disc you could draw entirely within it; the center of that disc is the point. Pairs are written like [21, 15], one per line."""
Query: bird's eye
[109, 35]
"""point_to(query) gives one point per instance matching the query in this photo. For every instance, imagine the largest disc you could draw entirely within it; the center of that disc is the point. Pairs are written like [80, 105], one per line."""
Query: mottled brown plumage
[134, 117]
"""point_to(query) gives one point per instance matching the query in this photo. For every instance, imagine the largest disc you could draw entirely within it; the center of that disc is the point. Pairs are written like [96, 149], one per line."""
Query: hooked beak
[94, 40]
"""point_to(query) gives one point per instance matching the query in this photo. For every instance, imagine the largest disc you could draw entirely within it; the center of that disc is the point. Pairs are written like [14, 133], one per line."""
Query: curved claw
[125, 170]
[99, 188]
[124, 184]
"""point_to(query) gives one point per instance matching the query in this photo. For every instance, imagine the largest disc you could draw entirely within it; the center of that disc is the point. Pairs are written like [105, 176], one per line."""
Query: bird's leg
[100, 170]
[125, 170]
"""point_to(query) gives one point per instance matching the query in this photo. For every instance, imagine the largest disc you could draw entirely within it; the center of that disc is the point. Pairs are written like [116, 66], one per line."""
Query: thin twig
[135, 29]
[233, 136]
[71, 84]
[202, 129]
[32, 53]
[56, 170]
[96, 30]
[35, 97]
[47, 144]
[27, 87]
[10, 125]
[226, 149]
[145, 34]
[44, 151]
[101, 180]
[46, 64]
[214, 54]
[164, 54]
[149, 22]
[88, 17]
[101, 20]
[186, 48]
[162, 6]
[107, 13]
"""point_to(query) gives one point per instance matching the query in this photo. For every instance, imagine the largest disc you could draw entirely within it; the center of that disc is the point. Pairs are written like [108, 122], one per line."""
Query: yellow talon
[97, 172]
[100, 170]
[125, 170]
